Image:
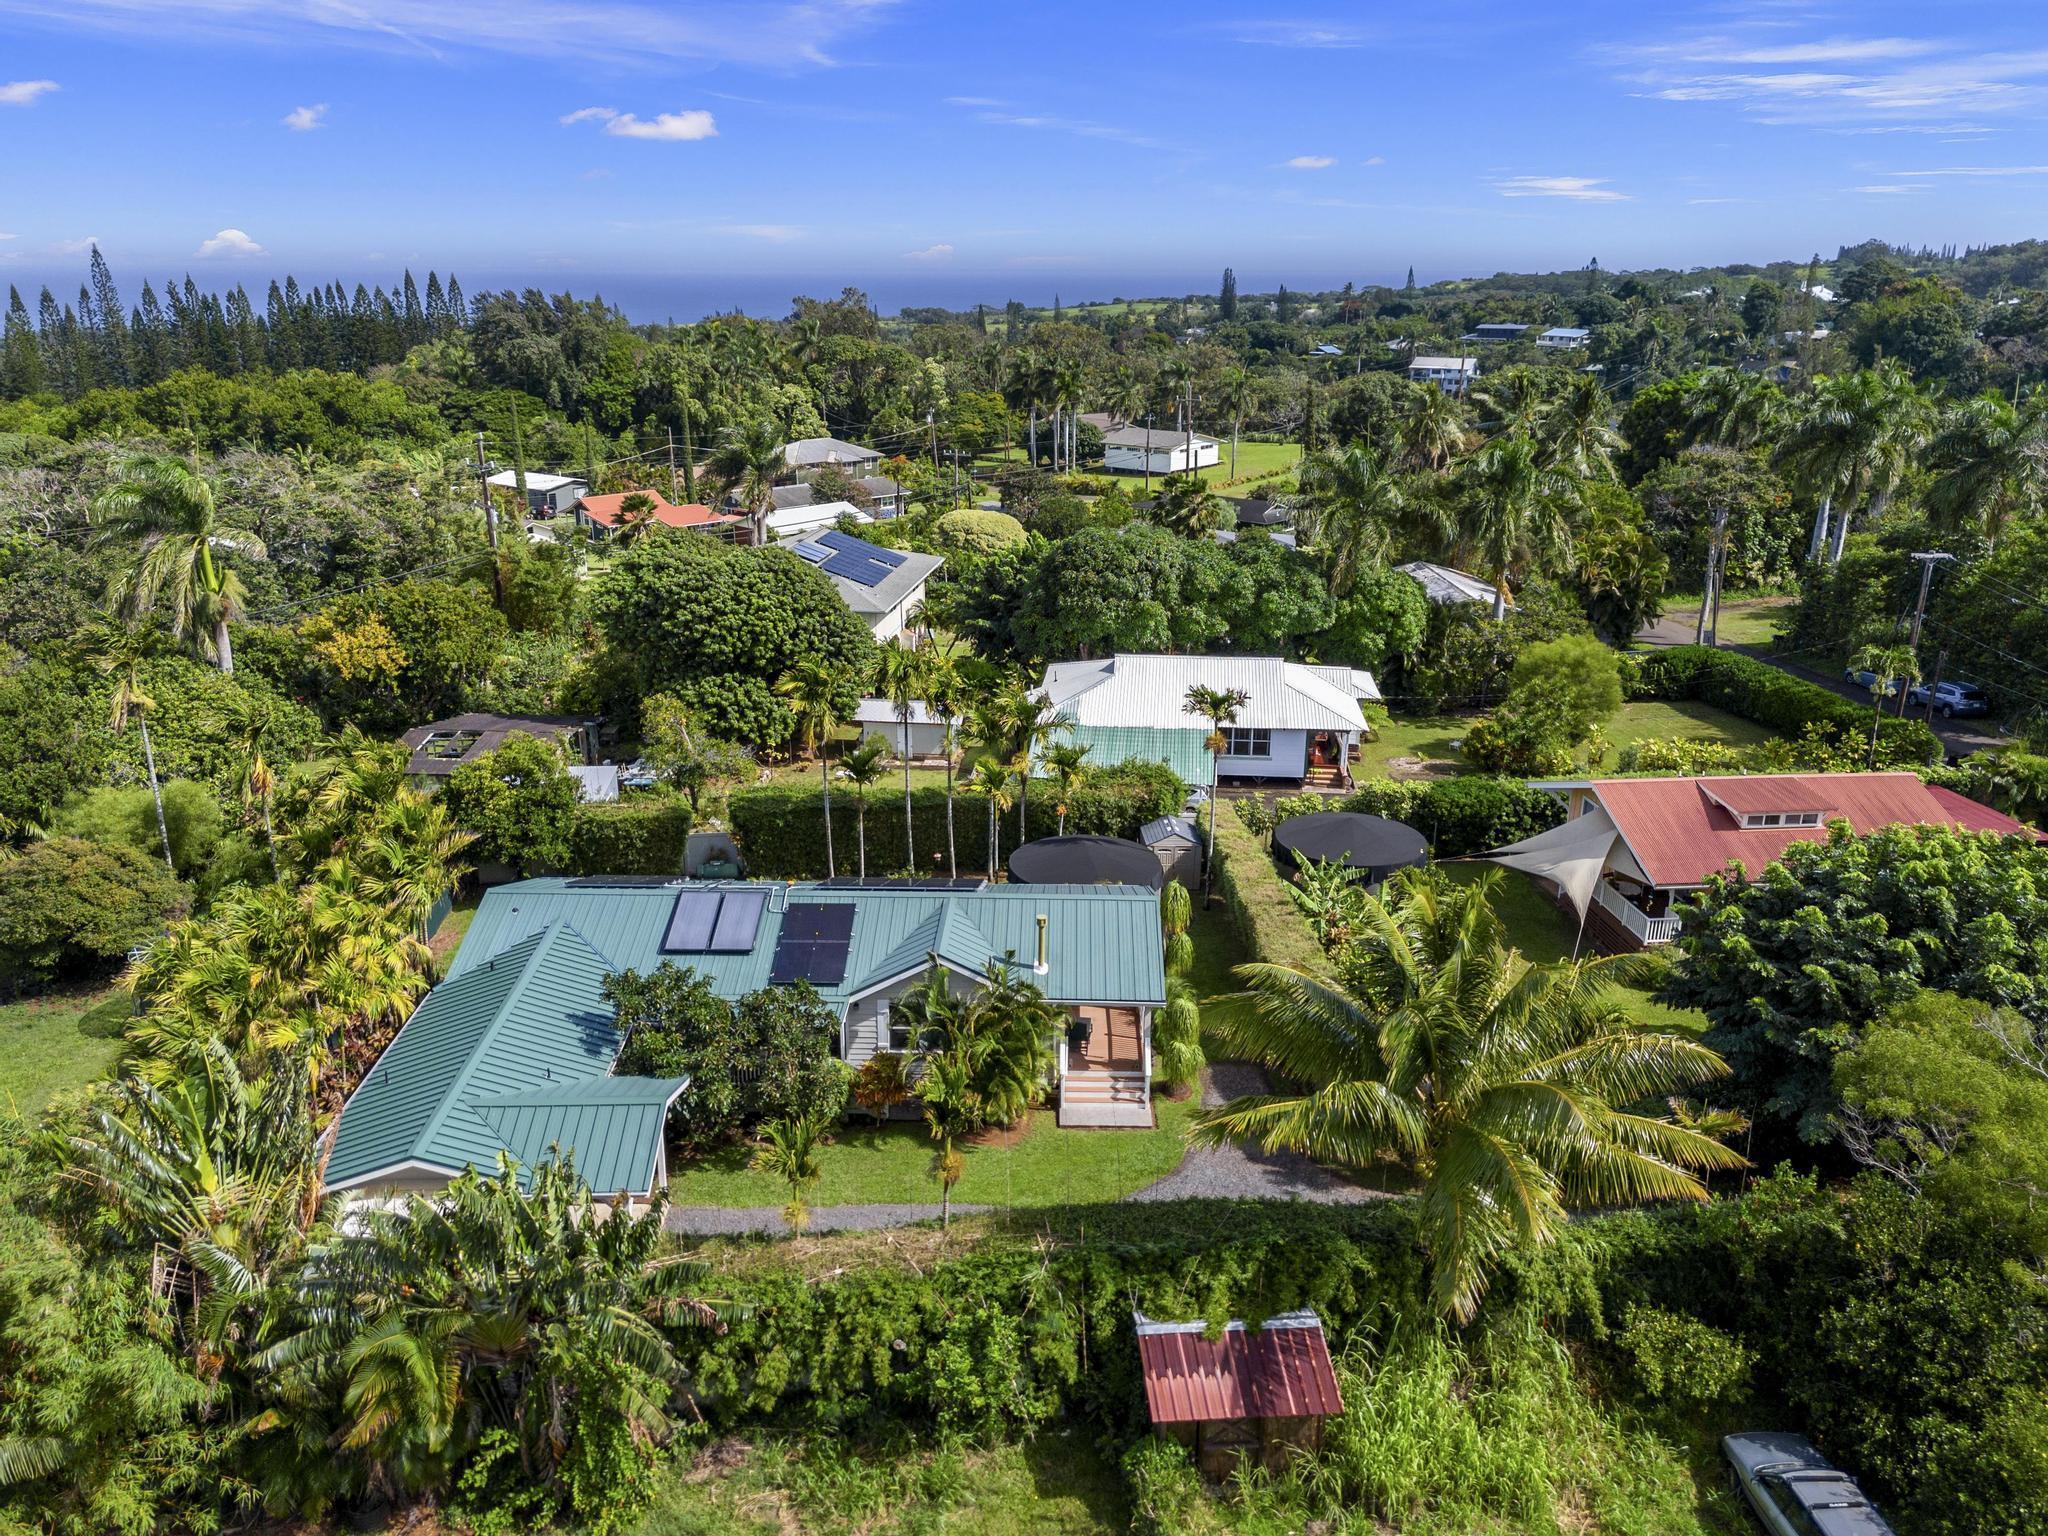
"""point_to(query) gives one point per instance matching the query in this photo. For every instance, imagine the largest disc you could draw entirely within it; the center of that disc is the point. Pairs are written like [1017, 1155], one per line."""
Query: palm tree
[1514, 401]
[1001, 1036]
[990, 781]
[1433, 427]
[789, 1151]
[1064, 383]
[815, 690]
[1893, 670]
[1498, 1081]
[166, 512]
[251, 718]
[942, 693]
[863, 767]
[1186, 505]
[1577, 432]
[636, 519]
[1177, 384]
[1353, 504]
[1854, 438]
[1126, 397]
[118, 653]
[899, 678]
[1236, 393]
[1992, 461]
[748, 464]
[1065, 765]
[1514, 506]
[1219, 706]
[1733, 409]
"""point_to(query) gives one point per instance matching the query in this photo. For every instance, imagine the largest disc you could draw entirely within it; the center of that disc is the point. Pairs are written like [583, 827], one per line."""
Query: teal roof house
[513, 1053]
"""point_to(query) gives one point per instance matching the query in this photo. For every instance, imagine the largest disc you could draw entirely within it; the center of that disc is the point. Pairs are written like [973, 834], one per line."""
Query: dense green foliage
[1757, 691]
[1460, 816]
[520, 801]
[71, 910]
[645, 834]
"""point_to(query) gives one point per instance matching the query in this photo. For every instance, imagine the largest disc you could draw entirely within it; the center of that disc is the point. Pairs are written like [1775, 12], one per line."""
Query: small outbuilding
[1177, 843]
[1257, 1395]
[1086, 860]
[1372, 845]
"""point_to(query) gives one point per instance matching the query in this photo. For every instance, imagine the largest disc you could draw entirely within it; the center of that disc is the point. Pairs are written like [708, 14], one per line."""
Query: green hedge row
[640, 835]
[781, 827]
[1770, 697]
[1463, 815]
[1264, 914]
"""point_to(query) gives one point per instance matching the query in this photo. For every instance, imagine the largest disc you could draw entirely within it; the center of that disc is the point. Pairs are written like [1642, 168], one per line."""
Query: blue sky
[682, 156]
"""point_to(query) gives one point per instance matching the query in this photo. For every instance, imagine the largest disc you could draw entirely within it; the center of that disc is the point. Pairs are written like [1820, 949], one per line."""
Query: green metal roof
[1103, 940]
[477, 1068]
[1185, 752]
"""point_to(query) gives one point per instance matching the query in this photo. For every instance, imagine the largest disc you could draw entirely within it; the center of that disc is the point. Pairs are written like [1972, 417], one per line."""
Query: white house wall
[925, 740]
[1288, 759]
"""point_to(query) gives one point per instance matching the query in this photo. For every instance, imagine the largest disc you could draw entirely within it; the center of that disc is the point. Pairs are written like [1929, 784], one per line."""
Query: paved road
[1959, 737]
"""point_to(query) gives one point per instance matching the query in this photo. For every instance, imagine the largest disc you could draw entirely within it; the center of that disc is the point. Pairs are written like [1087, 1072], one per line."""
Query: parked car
[1795, 1492]
[1952, 699]
[1864, 678]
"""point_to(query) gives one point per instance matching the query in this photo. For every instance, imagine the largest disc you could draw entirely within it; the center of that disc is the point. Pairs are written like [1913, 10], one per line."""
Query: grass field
[1430, 736]
[49, 1044]
[1255, 462]
[1743, 621]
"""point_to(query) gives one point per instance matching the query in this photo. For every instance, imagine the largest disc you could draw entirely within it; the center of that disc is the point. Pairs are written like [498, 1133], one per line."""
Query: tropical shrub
[1558, 693]
[1759, 692]
[1688, 756]
[71, 910]
[980, 533]
[643, 834]
[127, 818]
[521, 801]
[1464, 815]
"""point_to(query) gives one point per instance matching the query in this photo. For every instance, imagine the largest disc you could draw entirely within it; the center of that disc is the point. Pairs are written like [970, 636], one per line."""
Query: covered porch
[1106, 1067]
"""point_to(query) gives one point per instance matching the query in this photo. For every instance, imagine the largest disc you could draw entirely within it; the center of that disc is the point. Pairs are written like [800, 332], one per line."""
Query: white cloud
[230, 242]
[1311, 162]
[776, 232]
[941, 252]
[1830, 50]
[1890, 189]
[674, 127]
[8, 235]
[305, 119]
[973, 101]
[1978, 170]
[598, 173]
[1375, 159]
[23, 93]
[1582, 189]
[780, 35]
[76, 247]
[1079, 127]
[1302, 34]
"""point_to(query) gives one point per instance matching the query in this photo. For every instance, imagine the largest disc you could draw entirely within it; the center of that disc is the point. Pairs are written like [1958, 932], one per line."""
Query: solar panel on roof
[690, 924]
[813, 943]
[739, 919]
[847, 544]
[813, 553]
[853, 568]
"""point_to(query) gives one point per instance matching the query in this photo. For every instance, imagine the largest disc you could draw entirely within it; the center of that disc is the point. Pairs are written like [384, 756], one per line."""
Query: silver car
[1795, 1492]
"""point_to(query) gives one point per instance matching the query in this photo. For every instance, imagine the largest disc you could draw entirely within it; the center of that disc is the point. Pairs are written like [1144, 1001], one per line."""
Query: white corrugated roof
[1446, 364]
[535, 480]
[883, 712]
[1442, 584]
[1151, 692]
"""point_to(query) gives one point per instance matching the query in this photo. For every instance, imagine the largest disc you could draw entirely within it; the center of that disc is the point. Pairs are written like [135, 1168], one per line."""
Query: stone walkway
[1207, 1173]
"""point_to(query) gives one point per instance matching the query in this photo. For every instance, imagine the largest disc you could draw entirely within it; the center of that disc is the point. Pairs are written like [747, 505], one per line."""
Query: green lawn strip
[1428, 737]
[49, 1044]
[1650, 719]
[891, 1165]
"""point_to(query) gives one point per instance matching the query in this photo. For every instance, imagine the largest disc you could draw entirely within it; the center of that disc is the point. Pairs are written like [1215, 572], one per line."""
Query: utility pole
[689, 456]
[483, 485]
[672, 464]
[931, 423]
[1148, 455]
[1928, 559]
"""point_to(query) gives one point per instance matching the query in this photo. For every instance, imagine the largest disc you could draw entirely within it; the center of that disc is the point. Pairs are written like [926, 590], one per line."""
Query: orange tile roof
[1680, 834]
[604, 511]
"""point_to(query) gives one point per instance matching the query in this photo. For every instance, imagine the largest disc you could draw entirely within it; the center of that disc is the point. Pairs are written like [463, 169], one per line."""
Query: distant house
[1564, 338]
[1298, 724]
[925, 736]
[882, 586]
[1441, 584]
[1820, 291]
[807, 455]
[877, 495]
[1157, 450]
[1630, 849]
[1327, 349]
[807, 518]
[546, 495]
[602, 516]
[1495, 331]
[1260, 512]
[1453, 375]
[443, 746]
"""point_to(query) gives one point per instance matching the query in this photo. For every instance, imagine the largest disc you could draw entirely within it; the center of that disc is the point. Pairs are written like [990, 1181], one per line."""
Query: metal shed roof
[1281, 1371]
[1151, 691]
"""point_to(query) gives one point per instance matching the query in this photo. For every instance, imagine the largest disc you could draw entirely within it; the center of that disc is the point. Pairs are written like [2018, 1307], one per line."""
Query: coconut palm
[747, 465]
[1854, 438]
[863, 768]
[164, 512]
[1991, 458]
[1514, 506]
[1353, 507]
[1065, 763]
[991, 780]
[1893, 670]
[118, 653]
[1219, 706]
[1433, 427]
[636, 519]
[942, 691]
[1576, 432]
[1514, 401]
[1733, 409]
[899, 678]
[1236, 394]
[816, 691]
[1502, 1084]
[788, 1151]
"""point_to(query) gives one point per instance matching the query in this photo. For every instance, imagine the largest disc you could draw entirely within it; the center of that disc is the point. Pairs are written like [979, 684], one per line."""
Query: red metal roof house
[601, 516]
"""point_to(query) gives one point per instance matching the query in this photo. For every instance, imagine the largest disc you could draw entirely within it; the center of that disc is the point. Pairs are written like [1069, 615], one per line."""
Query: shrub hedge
[1759, 692]
[1463, 815]
[639, 835]
[781, 829]
[1264, 914]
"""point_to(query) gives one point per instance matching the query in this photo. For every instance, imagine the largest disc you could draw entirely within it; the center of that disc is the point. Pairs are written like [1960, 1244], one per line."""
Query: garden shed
[1257, 1394]
[1177, 845]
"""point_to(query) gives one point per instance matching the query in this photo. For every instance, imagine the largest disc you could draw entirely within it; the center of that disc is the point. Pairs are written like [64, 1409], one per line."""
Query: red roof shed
[1281, 1371]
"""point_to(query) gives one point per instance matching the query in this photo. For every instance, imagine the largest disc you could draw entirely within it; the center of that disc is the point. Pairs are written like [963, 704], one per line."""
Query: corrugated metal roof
[1150, 438]
[806, 452]
[1680, 835]
[612, 1125]
[530, 1016]
[1442, 584]
[1104, 943]
[883, 712]
[1151, 691]
[1281, 1371]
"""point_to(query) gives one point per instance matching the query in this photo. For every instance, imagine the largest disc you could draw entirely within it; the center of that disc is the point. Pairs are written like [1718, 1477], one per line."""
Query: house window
[897, 1035]
[1247, 741]
[1782, 819]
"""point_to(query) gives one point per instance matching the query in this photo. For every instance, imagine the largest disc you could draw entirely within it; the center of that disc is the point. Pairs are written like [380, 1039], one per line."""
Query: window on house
[1782, 819]
[1246, 741]
[887, 1028]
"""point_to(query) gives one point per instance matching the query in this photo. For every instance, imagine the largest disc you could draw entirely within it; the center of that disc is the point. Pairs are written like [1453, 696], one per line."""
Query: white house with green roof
[513, 1053]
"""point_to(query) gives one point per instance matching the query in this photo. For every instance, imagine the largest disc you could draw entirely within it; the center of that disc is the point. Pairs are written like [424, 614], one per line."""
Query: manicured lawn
[1646, 719]
[889, 1165]
[49, 1044]
[1743, 621]
[1428, 737]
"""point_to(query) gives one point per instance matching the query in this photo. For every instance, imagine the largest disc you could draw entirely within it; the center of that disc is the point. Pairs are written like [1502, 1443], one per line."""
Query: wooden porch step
[1096, 1087]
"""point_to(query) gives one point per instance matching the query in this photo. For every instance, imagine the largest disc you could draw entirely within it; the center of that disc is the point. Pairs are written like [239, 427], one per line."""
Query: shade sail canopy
[1571, 856]
[1353, 839]
[1084, 860]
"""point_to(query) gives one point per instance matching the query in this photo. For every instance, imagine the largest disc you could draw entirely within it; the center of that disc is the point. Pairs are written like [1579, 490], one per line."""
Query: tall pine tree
[1226, 301]
[117, 366]
[21, 360]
